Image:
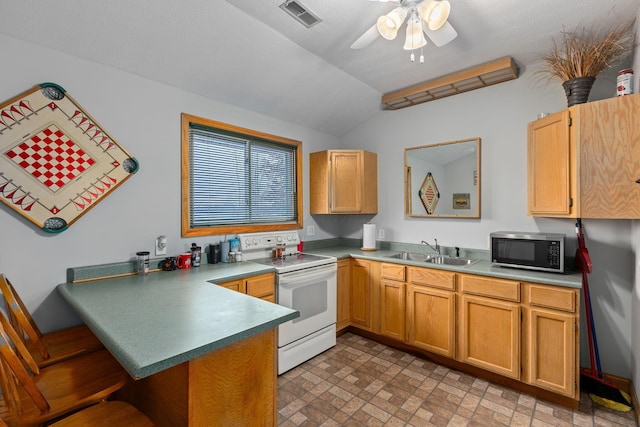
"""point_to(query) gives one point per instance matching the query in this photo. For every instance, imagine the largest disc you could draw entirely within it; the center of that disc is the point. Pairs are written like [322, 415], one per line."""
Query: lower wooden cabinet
[489, 325]
[261, 286]
[343, 310]
[490, 335]
[360, 294]
[392, 301]
[528, 332]
[551, 332]
[430, 313]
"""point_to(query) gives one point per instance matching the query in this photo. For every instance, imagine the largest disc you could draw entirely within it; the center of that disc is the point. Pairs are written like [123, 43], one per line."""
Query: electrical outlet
[161, 245]
[380, 234]
[311, 230]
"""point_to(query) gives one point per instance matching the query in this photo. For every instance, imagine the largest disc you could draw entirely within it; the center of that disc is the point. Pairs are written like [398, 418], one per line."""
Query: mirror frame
[408, 184]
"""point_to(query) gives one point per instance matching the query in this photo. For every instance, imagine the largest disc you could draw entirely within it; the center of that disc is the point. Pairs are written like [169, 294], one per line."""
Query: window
[237, 180]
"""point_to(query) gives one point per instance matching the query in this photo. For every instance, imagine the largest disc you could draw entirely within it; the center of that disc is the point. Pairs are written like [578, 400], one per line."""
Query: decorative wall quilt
[56, 162]
[429, 194]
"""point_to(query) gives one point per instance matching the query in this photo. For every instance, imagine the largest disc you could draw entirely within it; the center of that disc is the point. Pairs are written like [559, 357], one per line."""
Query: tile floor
[363, 383]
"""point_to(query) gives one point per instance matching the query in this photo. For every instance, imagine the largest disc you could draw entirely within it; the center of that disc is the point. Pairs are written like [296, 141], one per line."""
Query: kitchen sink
[412, 256]
[447, 260]
[434, 258]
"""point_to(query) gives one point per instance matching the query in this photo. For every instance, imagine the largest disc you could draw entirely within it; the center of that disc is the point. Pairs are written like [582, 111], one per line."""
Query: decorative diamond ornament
[429, 194]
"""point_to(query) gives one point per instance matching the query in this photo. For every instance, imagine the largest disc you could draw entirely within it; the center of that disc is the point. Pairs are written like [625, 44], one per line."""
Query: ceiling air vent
[300, 13]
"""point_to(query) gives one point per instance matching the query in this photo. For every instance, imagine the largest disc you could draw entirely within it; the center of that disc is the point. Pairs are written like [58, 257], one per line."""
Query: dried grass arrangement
[584, 53]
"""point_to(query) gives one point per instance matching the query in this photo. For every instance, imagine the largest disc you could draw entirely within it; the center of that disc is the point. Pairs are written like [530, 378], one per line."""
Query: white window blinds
[236, 180]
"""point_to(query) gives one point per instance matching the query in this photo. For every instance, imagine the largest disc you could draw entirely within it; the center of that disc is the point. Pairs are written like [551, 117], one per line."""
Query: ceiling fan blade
[442, 35]
[366, 38]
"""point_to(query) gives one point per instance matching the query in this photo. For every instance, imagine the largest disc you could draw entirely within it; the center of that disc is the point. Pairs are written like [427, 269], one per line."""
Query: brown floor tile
[362, 383]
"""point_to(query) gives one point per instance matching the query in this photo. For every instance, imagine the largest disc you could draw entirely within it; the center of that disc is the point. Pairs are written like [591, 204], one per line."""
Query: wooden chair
[111, 413]
[32, 396]
[49, 348]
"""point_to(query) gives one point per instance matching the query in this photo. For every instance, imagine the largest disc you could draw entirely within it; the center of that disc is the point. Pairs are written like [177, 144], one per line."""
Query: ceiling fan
[422, 16]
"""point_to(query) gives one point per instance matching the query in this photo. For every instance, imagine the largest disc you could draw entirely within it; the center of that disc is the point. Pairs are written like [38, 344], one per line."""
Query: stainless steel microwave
[531, 251]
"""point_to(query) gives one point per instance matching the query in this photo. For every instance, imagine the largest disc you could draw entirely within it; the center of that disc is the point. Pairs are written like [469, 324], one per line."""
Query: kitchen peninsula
[200, 354]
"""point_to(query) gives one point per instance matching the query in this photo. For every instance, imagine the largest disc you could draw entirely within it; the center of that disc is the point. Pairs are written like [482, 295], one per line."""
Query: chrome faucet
[436, 248]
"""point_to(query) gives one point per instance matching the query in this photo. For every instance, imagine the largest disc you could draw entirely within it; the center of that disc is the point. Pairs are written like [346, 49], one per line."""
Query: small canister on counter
[213, 256]
[196, 252]
[625, 82]
[143, 262]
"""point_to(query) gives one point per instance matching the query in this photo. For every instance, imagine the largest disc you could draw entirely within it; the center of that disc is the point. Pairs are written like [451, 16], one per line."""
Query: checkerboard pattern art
[51, 157]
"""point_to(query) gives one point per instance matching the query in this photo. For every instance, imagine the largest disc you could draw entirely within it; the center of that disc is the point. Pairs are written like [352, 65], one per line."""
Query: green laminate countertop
[154, 322]
[572, 279]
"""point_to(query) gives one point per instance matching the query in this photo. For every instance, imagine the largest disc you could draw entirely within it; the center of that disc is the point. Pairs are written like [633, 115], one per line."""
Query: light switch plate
[311, 230]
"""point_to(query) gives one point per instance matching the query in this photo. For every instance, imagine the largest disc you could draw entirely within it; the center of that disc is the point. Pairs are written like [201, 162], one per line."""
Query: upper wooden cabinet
[584, 162]
[343, 182]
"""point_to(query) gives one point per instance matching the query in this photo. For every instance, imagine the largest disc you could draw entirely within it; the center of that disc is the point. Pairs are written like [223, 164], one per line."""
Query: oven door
[312, 292]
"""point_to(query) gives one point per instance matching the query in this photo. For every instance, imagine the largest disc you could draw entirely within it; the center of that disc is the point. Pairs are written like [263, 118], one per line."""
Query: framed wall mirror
[443, 180]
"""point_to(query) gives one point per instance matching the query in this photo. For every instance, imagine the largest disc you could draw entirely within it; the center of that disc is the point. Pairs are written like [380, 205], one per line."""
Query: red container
[625, 82]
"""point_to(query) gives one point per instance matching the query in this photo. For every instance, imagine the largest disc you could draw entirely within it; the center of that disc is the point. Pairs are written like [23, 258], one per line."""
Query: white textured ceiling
[251, 54]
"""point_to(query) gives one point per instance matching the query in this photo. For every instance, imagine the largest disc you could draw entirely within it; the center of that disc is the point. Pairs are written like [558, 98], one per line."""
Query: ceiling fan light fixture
[415, 37]
[442, 35]
[435, 13]
[389, 24]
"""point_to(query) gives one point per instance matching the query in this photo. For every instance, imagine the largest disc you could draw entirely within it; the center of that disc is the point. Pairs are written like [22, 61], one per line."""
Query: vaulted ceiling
[252, 54]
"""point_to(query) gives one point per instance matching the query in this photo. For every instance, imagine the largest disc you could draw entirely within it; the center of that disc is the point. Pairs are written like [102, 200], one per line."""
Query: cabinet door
[548, 162]
[262, 286]
[609, 141]
[343, 311]
[431, 319]
[552, 351]
[346, 181]
[360, 294]
[490, 335]
[392, 309]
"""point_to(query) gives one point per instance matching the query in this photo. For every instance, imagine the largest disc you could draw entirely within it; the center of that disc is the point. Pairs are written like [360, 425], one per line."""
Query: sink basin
[446, 260]
[434, 258]
[412, 256]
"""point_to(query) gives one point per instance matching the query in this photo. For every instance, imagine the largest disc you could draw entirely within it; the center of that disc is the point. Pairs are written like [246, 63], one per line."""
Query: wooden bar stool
[32, 396]
[111, 413]
[46, 349]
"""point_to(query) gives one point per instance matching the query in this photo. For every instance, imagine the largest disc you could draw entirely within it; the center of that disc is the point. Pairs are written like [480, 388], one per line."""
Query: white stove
[305, 282]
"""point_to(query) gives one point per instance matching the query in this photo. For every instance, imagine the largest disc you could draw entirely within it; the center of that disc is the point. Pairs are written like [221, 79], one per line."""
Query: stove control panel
[269, 240]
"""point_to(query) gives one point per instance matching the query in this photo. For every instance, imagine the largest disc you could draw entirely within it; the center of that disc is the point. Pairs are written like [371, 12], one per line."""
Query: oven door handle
[292, 279]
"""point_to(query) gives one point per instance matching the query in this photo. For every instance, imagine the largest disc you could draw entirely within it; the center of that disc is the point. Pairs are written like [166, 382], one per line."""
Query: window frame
[187, 230]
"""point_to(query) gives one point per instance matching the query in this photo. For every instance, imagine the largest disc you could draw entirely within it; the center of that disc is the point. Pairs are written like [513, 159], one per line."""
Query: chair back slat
[20, 317]
[14, 370]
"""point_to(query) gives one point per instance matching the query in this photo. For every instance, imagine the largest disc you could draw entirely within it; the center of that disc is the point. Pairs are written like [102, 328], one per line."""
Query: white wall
[144, 117]
[499, 115]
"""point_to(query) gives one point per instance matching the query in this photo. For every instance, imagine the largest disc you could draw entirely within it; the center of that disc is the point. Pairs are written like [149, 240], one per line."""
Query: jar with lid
[232, 256]
[142, 262]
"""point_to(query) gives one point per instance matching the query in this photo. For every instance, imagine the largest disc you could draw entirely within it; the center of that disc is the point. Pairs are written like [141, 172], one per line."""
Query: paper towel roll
[369, 237]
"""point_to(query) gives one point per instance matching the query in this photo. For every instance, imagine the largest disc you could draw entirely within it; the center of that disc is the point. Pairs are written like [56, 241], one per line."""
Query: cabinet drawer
[490, 287]
[393, 272]
[235, 285]
[551, 297]
[432, 277]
